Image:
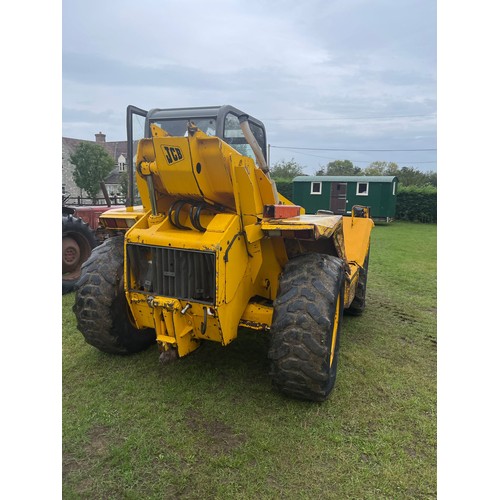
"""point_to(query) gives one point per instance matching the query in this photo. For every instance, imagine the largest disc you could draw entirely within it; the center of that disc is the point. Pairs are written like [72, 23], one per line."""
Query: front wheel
[101, 307]
[306, 326]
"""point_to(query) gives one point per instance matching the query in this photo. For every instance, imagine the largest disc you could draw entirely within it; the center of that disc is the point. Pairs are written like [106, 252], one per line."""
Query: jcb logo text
[173, 154]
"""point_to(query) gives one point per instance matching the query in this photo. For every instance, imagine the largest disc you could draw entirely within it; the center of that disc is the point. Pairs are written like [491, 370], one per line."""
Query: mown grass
[210, 426]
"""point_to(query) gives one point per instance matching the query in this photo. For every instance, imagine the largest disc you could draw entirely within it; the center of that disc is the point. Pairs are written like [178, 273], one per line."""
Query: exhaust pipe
[252, 141]
[261, 161]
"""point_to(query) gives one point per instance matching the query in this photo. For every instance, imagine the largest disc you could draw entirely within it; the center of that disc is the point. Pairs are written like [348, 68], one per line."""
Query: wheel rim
[70, 254]
[335, 329]
[75, 251]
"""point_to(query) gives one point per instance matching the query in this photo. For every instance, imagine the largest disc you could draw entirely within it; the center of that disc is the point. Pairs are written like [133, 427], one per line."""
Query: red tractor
[81, 232]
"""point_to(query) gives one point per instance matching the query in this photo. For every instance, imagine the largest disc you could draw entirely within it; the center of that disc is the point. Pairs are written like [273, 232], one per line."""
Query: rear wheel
[306, 326]
[100, 306]
[78, 240]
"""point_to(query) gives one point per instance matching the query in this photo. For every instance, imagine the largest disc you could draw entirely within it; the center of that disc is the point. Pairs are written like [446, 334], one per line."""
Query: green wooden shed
[339, 193]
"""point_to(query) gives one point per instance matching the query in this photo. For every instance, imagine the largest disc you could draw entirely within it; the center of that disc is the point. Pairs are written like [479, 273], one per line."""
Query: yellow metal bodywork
[249, 251]
[357, 232]
[347, 238]
[202, 168]
[309, 228]
[335, 329]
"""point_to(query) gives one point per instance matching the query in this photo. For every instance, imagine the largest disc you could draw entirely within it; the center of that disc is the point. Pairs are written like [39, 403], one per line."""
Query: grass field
[210, 425]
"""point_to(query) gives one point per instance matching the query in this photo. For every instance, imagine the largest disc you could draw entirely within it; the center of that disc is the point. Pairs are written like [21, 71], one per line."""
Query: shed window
[394, 188]
[362, 189]
[316, 187]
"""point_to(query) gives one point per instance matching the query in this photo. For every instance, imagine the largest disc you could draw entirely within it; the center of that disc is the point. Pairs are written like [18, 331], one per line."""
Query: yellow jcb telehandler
[214, 247]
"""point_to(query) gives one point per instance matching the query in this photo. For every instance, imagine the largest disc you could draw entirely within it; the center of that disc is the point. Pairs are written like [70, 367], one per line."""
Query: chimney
[100, 138]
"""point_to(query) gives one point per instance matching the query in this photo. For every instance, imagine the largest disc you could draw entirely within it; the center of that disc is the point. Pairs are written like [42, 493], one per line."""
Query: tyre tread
[303, 315]
[100, 305]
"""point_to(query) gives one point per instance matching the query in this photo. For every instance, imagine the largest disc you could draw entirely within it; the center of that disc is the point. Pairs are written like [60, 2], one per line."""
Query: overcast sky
[338, 74]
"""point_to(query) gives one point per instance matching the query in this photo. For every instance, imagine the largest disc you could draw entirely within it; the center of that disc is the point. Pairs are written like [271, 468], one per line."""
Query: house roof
[344, 178]
[114, 148]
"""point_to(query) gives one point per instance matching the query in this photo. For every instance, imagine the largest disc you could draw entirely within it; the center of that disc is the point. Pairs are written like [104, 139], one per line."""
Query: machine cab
[219, 121]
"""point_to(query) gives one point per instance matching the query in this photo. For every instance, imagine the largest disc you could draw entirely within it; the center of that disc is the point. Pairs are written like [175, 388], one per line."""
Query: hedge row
[416, 204]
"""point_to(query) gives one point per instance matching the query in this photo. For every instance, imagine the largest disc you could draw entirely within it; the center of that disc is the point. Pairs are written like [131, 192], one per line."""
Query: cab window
[233, 135]
[178, 127]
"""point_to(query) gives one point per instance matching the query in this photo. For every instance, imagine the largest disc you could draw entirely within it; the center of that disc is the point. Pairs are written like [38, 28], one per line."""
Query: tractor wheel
[358, 304]
[78, 240]
[101, 308]
[306, 325]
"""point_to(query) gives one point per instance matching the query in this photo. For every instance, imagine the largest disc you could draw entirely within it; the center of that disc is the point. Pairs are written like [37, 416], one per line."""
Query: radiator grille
[171, 272]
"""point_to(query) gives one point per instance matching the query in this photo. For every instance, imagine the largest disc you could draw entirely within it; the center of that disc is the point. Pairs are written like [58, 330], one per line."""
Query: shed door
[338, 197]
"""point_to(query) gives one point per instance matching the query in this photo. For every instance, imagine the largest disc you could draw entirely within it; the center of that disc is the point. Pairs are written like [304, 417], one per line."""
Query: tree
[432, 178]
[391, 168]
[92, 165]
[340, 167]
[286, 170]
[409, 176]
[382, 168]
[124, 186]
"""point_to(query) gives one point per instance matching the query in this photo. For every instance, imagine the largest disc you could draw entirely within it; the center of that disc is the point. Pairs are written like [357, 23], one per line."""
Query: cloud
[280, 59]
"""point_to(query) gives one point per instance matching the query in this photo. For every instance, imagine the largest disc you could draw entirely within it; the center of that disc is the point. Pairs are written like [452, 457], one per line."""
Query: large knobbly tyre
[78, 240]
[306, 325]
[101, 308]
[358, 304]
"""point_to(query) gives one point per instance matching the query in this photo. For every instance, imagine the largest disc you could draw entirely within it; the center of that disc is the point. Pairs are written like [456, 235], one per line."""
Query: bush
[417, 204]
[285, 188]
